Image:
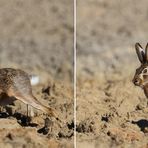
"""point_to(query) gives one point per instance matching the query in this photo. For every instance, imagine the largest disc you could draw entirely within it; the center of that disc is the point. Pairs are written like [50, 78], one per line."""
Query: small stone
[145, 130]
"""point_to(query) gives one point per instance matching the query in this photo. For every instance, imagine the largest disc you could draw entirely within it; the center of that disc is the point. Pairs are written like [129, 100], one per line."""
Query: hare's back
[14, 78]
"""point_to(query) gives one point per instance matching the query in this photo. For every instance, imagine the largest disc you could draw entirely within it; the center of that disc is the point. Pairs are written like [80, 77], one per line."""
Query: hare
[141, 75]
[16, 83]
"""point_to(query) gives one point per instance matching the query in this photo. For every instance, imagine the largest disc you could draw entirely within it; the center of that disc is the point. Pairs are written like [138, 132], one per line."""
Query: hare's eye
[145, 71]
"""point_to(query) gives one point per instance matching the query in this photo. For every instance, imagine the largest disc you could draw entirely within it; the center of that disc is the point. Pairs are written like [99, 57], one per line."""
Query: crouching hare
[16, 83]
[141, 74]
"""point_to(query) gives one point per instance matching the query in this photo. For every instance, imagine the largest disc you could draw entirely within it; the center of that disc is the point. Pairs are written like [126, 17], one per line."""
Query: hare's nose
[136, 81]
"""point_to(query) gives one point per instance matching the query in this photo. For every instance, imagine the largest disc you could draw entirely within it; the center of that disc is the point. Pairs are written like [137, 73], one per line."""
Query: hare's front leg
[30, 111]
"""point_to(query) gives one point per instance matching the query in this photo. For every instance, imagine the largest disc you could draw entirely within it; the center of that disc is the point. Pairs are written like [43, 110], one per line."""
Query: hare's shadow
[143, 123]
[23, 120]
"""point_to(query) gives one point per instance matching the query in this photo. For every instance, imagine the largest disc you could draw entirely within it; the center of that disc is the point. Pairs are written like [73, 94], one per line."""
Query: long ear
[146, 52]
[140, 53]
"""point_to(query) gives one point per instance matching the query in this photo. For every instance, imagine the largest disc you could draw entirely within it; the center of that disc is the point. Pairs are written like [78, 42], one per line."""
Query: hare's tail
[34, 79]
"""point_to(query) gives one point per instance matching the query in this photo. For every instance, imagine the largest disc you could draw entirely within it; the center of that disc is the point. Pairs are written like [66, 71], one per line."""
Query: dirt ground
[37, 36]
[111, 111]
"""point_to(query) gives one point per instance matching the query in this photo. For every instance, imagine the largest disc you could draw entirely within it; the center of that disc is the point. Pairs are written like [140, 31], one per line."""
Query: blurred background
[107, 101]
[110, 26]
[37, 35]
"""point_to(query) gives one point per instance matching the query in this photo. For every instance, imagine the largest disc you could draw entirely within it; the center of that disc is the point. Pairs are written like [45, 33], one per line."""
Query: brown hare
[141, 74]
[16, 83]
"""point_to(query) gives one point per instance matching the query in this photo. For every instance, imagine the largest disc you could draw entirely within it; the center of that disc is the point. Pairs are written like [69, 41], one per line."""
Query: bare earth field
[37, 36]
[111, 111]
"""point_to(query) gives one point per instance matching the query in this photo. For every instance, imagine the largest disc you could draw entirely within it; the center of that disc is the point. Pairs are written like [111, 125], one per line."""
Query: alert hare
[141, 74]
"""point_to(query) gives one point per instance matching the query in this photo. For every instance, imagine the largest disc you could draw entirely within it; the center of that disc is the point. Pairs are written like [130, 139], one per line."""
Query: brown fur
[141, 74]
[16, 83]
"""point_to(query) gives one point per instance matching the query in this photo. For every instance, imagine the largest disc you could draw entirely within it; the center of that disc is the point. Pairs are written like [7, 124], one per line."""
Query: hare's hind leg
[20, 97]
[31, 100]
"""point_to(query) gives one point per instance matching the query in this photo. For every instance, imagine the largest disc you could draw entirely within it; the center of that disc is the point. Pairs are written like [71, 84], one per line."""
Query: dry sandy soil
[111, 111]
[37, 36]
